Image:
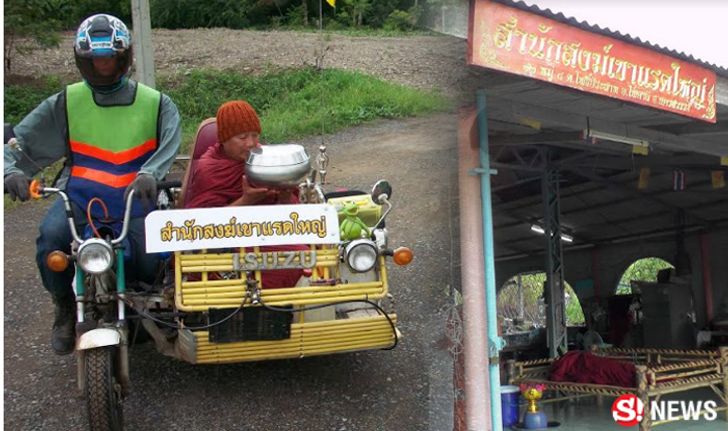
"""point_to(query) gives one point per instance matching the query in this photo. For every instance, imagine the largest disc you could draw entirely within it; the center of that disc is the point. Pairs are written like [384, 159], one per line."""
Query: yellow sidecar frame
[361, 329]
[331, 330]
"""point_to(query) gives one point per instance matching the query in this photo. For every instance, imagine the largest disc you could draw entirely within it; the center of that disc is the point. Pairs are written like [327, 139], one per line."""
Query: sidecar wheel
[103, 392]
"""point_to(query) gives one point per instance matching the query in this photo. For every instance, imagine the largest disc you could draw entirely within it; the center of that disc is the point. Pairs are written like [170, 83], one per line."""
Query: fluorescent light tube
[564, 237]
[616, 138]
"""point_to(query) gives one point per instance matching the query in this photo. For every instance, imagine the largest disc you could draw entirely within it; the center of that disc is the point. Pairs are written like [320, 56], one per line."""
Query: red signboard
[520, 42]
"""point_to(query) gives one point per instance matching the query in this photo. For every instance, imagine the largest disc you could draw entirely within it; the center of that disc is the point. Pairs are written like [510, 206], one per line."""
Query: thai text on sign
[247, 226]
[511, 40]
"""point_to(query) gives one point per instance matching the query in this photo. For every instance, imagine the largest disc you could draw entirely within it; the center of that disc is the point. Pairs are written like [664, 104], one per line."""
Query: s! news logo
[628, 410]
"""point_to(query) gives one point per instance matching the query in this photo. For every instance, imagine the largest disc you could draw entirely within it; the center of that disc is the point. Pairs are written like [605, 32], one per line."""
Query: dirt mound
[427, 62]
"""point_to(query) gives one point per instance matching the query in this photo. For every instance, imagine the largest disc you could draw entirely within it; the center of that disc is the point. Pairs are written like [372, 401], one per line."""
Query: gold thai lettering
[584, 60]
[190, 231]
[209, 231]
[570, 53]
[524, 40]
[187, 230]
[510, 35]
[547, 72]
[230, 229]
[166, 232]
[303, 227]
[550, 55]
[319, 227]
[504, 34]
[537, 52]
[219, 231]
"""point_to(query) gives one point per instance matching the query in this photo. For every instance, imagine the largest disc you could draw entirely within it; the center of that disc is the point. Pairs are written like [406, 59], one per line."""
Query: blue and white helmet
[102, 35]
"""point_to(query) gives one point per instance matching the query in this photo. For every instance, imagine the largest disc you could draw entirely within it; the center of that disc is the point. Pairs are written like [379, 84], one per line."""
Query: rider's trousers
[55, 234]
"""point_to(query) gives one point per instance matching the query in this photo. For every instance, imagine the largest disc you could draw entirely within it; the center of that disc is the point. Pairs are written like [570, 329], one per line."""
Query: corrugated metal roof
[558, 16]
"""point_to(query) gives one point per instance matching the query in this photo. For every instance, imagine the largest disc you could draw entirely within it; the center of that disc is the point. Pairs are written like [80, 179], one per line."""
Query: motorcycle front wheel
[103, 392]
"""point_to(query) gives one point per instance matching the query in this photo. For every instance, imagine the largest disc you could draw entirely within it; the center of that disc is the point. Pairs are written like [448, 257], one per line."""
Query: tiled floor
[585, 415]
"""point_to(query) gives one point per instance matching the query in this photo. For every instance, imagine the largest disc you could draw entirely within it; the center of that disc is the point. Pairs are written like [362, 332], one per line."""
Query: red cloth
[216, 181]
[585, 367]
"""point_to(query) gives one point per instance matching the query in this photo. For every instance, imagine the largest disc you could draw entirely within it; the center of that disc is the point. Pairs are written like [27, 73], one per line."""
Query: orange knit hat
[234, 118]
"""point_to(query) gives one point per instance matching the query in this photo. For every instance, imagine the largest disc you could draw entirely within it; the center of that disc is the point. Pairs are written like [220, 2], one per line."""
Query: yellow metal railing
[202, 294]
[307, 339]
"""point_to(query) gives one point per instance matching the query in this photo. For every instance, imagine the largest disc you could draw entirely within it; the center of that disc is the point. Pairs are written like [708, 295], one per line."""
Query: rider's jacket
[108, 146]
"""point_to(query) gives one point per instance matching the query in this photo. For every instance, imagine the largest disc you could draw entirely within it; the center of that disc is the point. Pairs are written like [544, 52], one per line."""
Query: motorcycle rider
[116, 135]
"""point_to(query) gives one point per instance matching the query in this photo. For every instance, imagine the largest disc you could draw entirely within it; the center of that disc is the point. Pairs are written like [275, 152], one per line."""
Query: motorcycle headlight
[95, 256]
[361, 255]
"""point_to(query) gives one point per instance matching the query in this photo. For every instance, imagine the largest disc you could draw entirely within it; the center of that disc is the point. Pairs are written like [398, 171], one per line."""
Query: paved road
[405, 389]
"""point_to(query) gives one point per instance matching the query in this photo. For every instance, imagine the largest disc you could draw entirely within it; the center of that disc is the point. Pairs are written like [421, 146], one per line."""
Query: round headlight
[361, 255]
[95, 256]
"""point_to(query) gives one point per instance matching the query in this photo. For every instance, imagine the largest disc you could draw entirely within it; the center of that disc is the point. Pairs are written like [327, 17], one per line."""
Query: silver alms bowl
[277, 166]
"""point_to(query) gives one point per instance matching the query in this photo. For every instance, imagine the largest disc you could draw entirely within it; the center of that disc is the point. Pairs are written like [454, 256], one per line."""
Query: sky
[698, 27]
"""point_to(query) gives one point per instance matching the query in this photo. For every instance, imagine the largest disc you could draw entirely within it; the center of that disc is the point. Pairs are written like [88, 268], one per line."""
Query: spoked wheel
[103, 392]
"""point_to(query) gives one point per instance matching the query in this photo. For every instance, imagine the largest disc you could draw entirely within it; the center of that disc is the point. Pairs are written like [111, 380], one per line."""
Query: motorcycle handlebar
[37, 190]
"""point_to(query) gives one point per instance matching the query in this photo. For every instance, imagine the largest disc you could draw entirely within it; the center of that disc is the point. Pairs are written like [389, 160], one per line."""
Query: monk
[218, 179]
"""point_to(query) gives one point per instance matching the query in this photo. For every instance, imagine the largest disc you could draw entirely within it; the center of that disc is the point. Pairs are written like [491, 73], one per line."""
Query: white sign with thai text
[245, 226]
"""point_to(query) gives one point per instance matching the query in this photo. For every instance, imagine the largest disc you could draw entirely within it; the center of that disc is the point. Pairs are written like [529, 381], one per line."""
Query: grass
[297, 103]
[291, 103]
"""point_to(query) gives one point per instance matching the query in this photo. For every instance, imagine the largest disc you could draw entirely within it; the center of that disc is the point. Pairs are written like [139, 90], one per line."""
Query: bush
[174, 14]
[400, 20]
[297, 16]
[82, 9]
[21, 99]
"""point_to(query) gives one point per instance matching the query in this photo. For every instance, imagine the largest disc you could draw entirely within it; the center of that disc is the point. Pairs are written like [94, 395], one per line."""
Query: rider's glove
[16, 184]
[145, 189]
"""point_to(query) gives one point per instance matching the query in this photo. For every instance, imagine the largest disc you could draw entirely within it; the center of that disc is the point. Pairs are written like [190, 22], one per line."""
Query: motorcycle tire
[103, 393]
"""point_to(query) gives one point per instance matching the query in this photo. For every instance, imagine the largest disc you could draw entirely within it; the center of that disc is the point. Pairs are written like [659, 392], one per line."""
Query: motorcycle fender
[99, 337]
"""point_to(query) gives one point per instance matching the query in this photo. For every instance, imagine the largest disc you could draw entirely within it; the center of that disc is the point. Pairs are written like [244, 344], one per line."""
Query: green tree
[533, 304]
[37, 20]
[82, 9]
[645, 269]
[235, 14]
[357, 9]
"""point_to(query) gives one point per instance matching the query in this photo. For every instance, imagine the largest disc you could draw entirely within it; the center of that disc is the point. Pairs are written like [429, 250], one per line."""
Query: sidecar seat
[205, 137]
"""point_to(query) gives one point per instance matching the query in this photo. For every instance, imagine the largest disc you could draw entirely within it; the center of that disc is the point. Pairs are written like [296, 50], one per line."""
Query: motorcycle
[212, 305]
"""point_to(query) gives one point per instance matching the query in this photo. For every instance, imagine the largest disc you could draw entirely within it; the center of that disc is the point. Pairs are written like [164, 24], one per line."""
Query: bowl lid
[278, 155]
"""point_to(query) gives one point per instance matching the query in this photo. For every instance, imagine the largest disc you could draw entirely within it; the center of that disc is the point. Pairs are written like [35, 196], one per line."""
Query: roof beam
[719, 224]
[649, 215]
[627, 162]
[695, 128]
[632, 192]
[535, 138]
[577, 120]
[586, 208]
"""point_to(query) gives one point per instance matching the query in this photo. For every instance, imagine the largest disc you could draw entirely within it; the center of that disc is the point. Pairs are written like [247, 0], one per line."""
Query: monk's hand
[145, 189]
[253, 195]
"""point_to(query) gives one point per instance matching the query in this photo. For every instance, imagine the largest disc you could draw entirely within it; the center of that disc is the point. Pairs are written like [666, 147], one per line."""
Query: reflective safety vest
[108, 145]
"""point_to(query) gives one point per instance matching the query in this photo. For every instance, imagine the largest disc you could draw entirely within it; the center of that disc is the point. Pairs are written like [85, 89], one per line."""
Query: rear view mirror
[382, 189]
